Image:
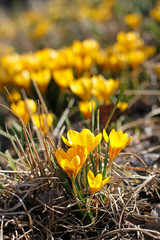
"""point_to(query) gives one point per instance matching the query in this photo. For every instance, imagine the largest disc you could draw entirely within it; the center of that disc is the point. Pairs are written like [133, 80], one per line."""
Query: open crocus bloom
[85, 139]
[96, 183]
[118, 141]
[71, 161]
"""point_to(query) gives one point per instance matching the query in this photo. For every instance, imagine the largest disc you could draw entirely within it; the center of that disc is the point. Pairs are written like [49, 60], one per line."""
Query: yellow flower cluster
[39, 22]
[19, 70]
[102, 12]
[72, 67]
[68, 63]
[95, 87]
[81, 144]
[129, 50]
[26, 109]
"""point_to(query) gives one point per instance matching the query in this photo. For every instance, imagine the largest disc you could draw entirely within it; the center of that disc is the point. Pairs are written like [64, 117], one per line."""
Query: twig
[134, 195]
[142, 92]
[62, 119]
[123, 230]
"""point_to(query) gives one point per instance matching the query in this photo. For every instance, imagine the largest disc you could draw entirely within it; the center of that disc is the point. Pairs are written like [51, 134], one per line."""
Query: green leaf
[10, 160]
[4, 134]
[105, 160]
[1, 187]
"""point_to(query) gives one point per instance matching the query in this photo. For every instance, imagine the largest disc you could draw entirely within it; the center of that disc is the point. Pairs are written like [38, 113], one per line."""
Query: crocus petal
[71, 153]
[105, 135]
[97, 139]
[90, 175]
[66, 141]
[85, 131]
[75, 138]
[105, 181]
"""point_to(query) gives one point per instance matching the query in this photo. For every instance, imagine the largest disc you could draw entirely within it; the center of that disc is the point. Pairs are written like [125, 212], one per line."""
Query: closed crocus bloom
[157, 69]
[14, 96]
[71, 161]
[32, 105]
[122, 106]
[135, 58]
[85, 108]
[155, 12]
[43, 121]
[118, 141]
[82, 88]
[133, 20]
[20, 108]
[77, 47]
[63, 77]
[90, 46]
[96, 183]
[12, 63]
[42, 78]
[149, 51]
[22, 79]
[103, 89]
[128, 41]
[84, 139]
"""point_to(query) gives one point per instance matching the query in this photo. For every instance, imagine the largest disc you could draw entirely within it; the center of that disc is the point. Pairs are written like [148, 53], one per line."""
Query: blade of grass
[10, 160]
[100, 165]
[105, 160]
[93, 119]
[115, 106]
[4, 134]
[93, 164]
[98, 128]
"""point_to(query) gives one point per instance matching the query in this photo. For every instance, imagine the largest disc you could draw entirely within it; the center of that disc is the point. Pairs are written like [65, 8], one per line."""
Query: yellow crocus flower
[133, 20]
[12, 63]
[32, 105]
[155, 12]
[42, 78]
[21, 109]
[135, 58]
[63, 77]
[43, 121]
[84, 139]
[22, 79]
[85, 108]
[96, 183]
[118, 141]
[82, 88]
[122, 106]
[103, 89]
[128, 41]
[157, 69]
[14, 96]
[71, 161]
